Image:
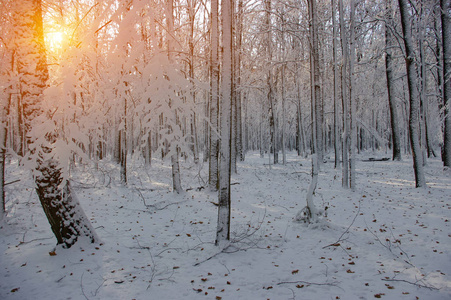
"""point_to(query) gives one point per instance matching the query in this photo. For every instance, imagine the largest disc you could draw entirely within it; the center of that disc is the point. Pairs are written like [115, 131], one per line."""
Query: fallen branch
[413, 283]
[337, 243]
[158, 205]
[11, 182]
[309, 283]
[232, 246]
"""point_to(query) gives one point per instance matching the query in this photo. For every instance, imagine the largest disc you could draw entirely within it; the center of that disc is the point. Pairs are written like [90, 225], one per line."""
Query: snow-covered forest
[239, 149]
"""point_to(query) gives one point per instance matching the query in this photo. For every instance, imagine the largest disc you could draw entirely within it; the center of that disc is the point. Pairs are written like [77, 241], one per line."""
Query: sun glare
[55, 40]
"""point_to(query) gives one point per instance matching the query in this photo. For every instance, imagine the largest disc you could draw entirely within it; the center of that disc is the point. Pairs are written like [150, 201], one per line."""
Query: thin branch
[413, 283]
[337, 243]
[309, 283]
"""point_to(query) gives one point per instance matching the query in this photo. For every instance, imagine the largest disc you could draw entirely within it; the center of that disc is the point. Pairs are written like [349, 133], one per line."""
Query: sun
[55, 40]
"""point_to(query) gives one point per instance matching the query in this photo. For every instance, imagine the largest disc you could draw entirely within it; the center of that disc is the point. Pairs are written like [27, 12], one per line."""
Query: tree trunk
[67, 220]
[214, 105]
[446, 39]
[315, 84]
[63, 211]
[3, 137]
[389, 68]
[284, 154]
[176, 181]
[414, 97]
[336, 83]
[344, 96]
[224, 202]
[193, 126]
[239, 125]
[352, 99]
[123, 146]
[5, 101]
[269, 80]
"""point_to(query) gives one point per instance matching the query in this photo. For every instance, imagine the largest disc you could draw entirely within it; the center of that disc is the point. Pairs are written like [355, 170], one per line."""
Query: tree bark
[193, 125]
[336, 86]
[344, 96]
[224, 201]
[446, 39]
[269, 81]
[315, 84]
[214, 94]
[5, 101]
[389, 68]
[414, 97]
[176, 181]
[352, 99]
[63, 211]
[239, 92]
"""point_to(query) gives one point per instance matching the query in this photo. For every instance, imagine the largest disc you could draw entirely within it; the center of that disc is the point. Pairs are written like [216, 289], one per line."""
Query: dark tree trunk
[214, 98]
[414, 96]
[336, 86]
[66, 218]
[389, 67]
[446, 39]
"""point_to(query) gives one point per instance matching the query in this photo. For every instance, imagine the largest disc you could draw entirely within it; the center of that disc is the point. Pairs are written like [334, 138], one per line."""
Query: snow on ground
[386, 240]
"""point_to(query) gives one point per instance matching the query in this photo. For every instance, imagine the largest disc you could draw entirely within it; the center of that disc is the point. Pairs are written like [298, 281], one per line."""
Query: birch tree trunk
[446, 38]
[224, 202]
[414, 97]
[389, 68]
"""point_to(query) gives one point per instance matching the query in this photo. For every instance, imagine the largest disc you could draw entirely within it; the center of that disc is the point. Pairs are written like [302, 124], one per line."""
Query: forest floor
[386, 240]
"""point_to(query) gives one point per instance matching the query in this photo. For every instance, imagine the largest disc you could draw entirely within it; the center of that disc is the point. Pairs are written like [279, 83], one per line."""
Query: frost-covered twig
[388, 247]
[34, 240]
[98, 288]
[81, 286]
[413, 283]
[152, 268]
[157, 206]
[233, 246]
[340, 239]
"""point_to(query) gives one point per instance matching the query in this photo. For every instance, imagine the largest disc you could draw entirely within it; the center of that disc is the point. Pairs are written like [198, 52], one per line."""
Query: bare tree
[414, 97]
